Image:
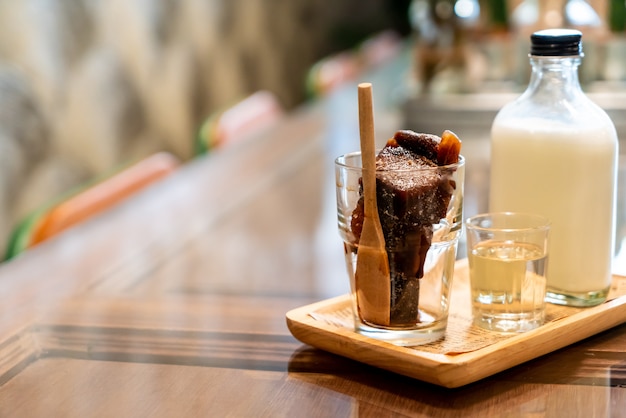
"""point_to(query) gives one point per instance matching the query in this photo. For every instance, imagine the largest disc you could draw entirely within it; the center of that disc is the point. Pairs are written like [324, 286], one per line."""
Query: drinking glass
[421, 249]
[508, 255]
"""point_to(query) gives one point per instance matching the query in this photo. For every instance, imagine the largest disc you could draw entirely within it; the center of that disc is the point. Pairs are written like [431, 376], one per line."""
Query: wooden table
[173, 304]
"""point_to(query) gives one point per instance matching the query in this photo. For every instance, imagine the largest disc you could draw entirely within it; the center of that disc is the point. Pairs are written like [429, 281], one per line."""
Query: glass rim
[338, 163]
[541, 222]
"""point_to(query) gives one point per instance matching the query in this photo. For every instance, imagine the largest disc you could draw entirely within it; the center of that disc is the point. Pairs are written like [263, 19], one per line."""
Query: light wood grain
[371, 277]
[453, 370]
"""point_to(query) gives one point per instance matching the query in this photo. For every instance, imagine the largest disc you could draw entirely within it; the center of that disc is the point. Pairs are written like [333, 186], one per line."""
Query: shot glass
[421, 229]
[508, 256]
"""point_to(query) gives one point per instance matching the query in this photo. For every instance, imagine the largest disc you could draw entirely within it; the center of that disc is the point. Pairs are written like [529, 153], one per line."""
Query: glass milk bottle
[554, 152]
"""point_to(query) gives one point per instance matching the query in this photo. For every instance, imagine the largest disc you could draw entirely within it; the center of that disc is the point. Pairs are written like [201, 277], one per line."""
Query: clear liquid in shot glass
[508, 285]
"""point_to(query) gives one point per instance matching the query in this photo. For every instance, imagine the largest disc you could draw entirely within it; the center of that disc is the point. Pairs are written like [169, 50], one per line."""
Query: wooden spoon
[372, 280]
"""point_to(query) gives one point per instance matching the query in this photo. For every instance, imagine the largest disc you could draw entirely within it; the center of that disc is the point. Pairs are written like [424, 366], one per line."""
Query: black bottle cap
[556, 43]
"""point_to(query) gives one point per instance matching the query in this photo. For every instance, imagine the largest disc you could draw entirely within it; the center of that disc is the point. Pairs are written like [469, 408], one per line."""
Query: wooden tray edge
[347, 343]
[452, 370]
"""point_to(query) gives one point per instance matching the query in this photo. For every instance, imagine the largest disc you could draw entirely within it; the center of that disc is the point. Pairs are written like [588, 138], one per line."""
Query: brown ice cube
[408, 206]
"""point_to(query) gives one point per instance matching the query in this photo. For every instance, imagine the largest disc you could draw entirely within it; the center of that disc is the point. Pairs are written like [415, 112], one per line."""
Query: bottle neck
[555, 74]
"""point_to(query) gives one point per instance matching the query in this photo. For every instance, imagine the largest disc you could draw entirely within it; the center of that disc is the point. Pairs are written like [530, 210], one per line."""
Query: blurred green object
[617, 15]
[499, 14]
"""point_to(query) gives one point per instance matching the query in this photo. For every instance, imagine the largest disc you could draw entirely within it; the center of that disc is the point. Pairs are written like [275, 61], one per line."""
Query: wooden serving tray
[466, 353]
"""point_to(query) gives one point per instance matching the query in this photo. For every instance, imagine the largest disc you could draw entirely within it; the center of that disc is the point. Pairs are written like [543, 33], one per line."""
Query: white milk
[570, 174]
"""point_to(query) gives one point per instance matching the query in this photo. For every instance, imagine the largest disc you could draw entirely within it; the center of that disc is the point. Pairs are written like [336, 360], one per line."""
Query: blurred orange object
[346, 66]
[256, 111]
[87, 202]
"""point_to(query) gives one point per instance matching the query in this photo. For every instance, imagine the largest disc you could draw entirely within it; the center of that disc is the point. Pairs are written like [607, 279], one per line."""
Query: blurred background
[89, 85]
